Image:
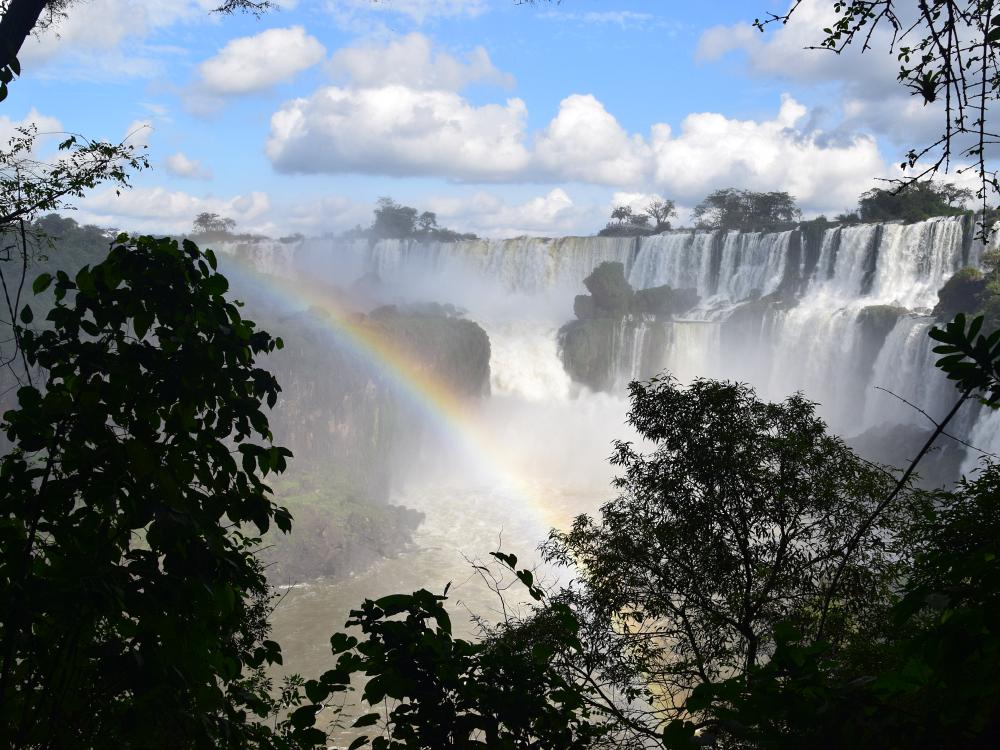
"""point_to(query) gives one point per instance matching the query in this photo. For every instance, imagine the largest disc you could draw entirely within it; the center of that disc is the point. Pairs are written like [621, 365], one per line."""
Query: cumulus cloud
[258, 62]
[158, 210]
[585, 142]
[179, 165]
[44, 123]
[870, 95]
[489, 215]
[394, 130]
[711, 150]
[411, 61]
[102, 39]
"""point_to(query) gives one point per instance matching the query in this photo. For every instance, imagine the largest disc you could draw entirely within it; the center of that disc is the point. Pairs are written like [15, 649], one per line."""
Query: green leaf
[26, 315]
[304, 716]
[41, 283]
[358, 742]
[366, 721]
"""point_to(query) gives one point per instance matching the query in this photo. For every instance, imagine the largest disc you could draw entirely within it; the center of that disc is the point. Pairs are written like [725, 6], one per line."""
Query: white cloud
[711, 151]
[257, 62]
[411, 61]
[396, 130]
[870, 95]
[488, 215]
[157, 210]
[101, 39]
[585, 142]
[180, 165]
[419, 11]
[636, 201]
[44, 123]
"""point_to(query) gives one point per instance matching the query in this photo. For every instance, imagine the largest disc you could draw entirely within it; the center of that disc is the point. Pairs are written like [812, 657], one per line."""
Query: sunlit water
[536, 450]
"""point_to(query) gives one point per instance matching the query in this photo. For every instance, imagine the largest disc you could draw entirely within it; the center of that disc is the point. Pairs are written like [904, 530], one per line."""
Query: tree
[30, 186]
[914, 201]
[735, 521]
[622, 214]
[131, 609]
[393, 221]
[426, 689]
[209, 223]
[745, 210]
[661, 211]
[929, 681]
[427, 221]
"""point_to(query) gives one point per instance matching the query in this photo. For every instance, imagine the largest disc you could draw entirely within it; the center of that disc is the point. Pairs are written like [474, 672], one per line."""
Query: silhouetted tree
[914, 201]
[661, 211]
[746, 210]
[734, 522]
[622, 214]
[427, 221]
[211, 223]
[132, 607]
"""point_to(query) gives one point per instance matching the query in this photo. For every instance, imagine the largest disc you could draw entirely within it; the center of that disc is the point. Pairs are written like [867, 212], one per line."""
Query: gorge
[833, 311]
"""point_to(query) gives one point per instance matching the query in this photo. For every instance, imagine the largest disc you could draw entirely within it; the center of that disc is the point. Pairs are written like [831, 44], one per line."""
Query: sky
[502, 117]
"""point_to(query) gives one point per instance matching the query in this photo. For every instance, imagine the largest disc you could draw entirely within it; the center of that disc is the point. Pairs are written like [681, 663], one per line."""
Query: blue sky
[503, 118]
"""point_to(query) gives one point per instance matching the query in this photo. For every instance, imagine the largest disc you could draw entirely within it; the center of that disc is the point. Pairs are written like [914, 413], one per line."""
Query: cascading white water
[554, 435]
[526, 264]
[682, 260]
[842, 262]
[521, 290]
[904, 367]
[915, 260]
[752, 264]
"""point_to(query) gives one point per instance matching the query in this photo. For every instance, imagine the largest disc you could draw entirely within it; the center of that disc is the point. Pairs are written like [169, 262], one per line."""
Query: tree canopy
[914, 201]
[398, 222]
[730, 208]
[734, 522]
[133, 607]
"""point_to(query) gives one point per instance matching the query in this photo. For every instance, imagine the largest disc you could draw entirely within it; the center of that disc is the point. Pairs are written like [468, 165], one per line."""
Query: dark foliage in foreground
[133, 607]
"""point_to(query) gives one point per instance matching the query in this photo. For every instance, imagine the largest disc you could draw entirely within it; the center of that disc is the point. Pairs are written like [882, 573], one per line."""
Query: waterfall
[752, 264]
[855, 316]
[905, 367]
[682, 260]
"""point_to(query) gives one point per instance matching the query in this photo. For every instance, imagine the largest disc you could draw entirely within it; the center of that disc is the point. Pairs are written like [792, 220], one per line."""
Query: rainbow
[450, 415]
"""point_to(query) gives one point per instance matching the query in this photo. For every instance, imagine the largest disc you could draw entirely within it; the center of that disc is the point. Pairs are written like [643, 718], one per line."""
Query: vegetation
[611, 309]
[427, 689]
[947, 53]
[914, 201]
[734, 522]
[746, 210]
[973, 292]
[928, 681]
[394, 221]
[627, 223]
[210, 223]
[132, 601]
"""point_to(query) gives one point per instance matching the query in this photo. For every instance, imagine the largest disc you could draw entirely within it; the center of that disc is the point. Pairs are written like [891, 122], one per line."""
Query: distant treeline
[731, 208]
[394, 221]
